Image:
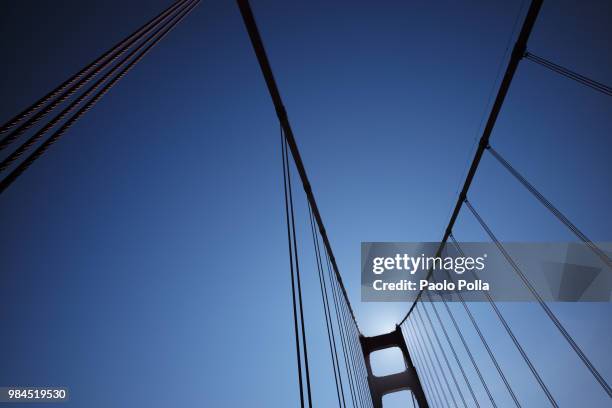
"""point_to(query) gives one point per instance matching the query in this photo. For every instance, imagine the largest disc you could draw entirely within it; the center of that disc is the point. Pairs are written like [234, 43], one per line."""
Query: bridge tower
[405, 380]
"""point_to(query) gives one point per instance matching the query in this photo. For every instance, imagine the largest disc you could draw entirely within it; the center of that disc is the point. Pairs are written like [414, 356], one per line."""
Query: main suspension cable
[281, 113]
[74, 104]
[24, 165]
[517, 53]
[11, 137]
[84, 71]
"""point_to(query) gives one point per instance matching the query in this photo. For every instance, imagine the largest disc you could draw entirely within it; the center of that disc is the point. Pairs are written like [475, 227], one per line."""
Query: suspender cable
[427, 345]
[84, 71]
[362, 368]
[69, 92]
[564, 220]
[429, 395]
[581, 79]
[293, 297]
[457, 360]
[485, 343]
[361, 363]
[541, 302]
[511, 334]
[517, 53]
[433, 384]
[363, 391]
[465, 345]
[328, 322]
[444, 356]
[416, 362]
[297, 276]
[264, 63]
[349, 373]
[360, 373]
[74, 104]
[349, 348]
[359, 391]
[452, 348]
[10, 178]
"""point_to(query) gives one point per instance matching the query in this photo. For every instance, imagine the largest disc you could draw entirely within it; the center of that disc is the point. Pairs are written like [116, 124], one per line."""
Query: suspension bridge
[441, 363]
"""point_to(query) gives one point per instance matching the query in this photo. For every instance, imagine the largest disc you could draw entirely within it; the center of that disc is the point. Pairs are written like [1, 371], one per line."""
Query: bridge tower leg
[405, 380]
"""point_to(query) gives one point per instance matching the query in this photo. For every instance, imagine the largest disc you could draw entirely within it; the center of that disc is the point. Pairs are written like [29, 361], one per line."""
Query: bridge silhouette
[435, 374]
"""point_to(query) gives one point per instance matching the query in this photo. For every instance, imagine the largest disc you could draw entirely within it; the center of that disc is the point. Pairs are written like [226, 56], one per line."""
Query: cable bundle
[107, 70]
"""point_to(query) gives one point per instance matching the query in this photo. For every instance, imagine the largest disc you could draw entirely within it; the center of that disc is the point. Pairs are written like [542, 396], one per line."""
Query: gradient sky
[144, 258]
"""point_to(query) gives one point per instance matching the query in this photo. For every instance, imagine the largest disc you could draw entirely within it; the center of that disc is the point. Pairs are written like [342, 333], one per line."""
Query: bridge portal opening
[387, 361]
[403, 399]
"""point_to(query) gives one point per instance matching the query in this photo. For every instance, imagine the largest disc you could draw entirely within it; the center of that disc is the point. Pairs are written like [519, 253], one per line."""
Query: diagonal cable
[553, 318]
[85, 78]
[568, 73]
[24, 165]
[558, 214]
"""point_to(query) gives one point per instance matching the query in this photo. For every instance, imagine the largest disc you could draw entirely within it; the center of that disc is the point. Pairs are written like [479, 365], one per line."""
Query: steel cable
[59, 117]
[581, 79]
[24, 165]
[541, 302]
[83, 79]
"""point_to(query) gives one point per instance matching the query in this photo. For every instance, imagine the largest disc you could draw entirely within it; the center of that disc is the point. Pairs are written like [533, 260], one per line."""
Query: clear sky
[144, 258]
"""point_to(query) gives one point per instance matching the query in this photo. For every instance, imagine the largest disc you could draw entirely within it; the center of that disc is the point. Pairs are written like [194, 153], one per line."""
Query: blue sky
[144, 258]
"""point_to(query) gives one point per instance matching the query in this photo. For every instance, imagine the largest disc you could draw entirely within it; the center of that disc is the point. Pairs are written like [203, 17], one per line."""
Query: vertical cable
[430, 345]
[361, 360]
[448, 365]
[581, 79]
[350, 348]
[465, 345]
[553, 318]
[558, 214]
[298, 278]
[418, 366]
[433, 390]
[289, 241]
[357, 355]
[457, 360]
[342, 335]
[511, 334]
[485, 344]
[418, 362]
[328, 323]
[430, 360]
